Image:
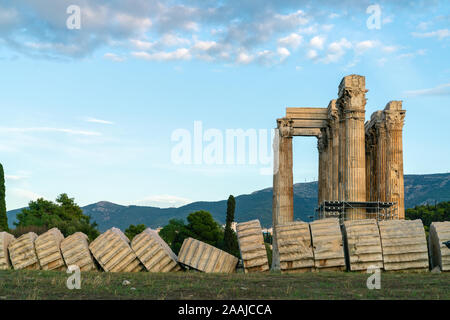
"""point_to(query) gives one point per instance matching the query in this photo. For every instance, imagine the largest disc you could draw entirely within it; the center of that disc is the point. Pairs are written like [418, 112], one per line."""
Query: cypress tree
[3, 217]
[230, 240]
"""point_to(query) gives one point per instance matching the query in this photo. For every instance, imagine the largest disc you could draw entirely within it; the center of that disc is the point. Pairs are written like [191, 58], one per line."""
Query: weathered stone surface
[364, 244]
[204, 257]
[251, 245]
[154, 253]
[5, 240]
[295, 247]
[440, 253]
[327, 244]
[404, 245]
[113, 252]
[75, 250]
[48, 250]
[23, 253]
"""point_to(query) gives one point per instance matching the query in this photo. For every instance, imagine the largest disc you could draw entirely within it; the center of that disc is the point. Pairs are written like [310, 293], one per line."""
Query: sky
[131, 101]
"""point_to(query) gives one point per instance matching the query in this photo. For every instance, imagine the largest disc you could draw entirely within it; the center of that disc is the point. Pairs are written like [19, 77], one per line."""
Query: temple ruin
[360, 163]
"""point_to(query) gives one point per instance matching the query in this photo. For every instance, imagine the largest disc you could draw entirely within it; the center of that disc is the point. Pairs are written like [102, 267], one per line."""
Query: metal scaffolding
[372, 210]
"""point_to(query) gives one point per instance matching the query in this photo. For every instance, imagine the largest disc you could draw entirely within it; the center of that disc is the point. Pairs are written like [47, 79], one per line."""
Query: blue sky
[91, 111]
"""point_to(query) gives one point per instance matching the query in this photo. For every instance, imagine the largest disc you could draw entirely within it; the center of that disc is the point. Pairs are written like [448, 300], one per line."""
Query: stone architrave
[404, 245]
[295, 247]
[327, 243]
[363, 243]
[439, 252]
[113, 252]
[48, 250]
[75, 250]
[22, 252]
[154, 253]
[252, 247]
[5, 240]
[204, 257]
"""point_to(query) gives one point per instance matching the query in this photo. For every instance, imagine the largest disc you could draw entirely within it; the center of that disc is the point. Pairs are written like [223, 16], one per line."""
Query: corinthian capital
[285, 127]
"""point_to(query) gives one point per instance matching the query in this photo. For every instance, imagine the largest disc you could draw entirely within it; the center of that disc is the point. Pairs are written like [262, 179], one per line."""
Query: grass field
[194, 285]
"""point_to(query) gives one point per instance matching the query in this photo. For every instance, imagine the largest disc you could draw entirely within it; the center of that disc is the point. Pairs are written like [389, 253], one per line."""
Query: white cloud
[178, 54]
[317, 42]
[311, 54]
[293, 40]
[336, 50]
[388, 19]
[389, 49]
[47, 129]
[408, 55]
[244, 58]
[333, 15]
[142, 45]
[440, 34]
[164, 201]
[283, 53]
[113, 57]
[443, 89]
[94, 120]
[24, 194]
[362, 46]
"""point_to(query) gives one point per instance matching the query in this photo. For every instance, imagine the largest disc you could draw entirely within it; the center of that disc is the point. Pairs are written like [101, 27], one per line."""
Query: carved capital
[394, 120]
[285, 127]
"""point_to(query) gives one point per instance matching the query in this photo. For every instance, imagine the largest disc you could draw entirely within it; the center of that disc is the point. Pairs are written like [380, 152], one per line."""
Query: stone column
[380, 129]
[395, 116]
[283, 192]
[333, 117]
[322, 148]
[351, 103]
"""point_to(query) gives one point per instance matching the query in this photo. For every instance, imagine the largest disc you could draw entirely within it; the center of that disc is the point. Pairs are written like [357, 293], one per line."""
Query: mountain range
[419, 189]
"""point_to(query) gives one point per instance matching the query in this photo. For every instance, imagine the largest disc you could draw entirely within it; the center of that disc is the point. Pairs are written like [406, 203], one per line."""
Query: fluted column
[283, 192]
[322, 148]
[351, 103]
[395, 116]
[333, 117]
[381, 167]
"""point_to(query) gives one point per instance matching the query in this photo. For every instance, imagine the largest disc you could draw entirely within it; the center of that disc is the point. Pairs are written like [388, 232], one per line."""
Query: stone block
[363, 243]
[251, 245]
[48, 250]
[327, 244]
[404, 245]
[439, 252]
[5, 240]
[204, 257]
[23, 253]
[154, 253]
[295, 247]
[75, 250]
[113, 252]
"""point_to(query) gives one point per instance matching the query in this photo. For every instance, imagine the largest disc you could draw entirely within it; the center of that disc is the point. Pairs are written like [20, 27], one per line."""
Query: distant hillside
[419, 189]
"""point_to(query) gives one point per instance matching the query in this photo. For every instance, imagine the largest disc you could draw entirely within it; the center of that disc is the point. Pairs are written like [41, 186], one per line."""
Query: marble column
[333, 117]
[351, 103]
[283, 192]
[394, 117]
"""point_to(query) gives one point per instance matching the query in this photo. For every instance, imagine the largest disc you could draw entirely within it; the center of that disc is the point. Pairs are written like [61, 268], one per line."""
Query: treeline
[429, 213]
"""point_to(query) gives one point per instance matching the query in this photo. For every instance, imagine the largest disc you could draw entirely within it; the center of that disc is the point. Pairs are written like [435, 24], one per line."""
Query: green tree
[230, 244]
[429, 213]
[201, 226]
[133, 230]
[65, 215]
[3, 216]
[174, 234]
